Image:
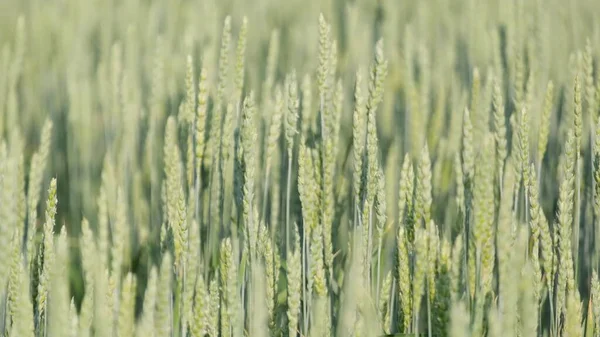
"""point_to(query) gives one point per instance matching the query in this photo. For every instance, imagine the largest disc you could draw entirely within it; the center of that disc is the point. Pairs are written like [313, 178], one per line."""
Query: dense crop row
[299, 168]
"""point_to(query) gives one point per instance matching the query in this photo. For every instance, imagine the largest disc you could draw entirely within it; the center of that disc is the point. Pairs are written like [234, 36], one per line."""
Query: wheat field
[312, 168]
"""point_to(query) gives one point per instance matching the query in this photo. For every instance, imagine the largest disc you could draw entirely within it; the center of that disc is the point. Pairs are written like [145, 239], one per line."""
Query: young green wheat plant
[306, 168]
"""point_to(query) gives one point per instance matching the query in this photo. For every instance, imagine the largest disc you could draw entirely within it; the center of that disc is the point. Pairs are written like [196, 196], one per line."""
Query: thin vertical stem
[45, 319]
[539, 313]
[392, 299]
[287, 200]
[304, 277]
[428, 313]
[577, 211]
[552, 320]
[378, 265]
[369, 252]
[266, 192]
[415, 318]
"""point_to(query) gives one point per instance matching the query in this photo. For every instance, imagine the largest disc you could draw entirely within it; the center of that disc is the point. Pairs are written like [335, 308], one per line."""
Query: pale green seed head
[291, 116]
[187, 115]
[468, 154]
[380, 203]
[275, 127]
[433, 248]
[323, 69]
[162, 318]
[577, 113]
[200, 323]
[224, 62]
[201, 115]
[420, 268]
[126, 319]
[240, 59]
[406, 189]
[459, 320]
[248, 133]
[423, 189]
[294, 284]
[460, 186]
[404, 278]
[524, 144]
[307, 103]
[545, 121]
[499, 126]
[214, 306]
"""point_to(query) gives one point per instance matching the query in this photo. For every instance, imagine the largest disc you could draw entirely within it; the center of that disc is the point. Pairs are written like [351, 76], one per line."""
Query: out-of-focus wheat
[162, 138]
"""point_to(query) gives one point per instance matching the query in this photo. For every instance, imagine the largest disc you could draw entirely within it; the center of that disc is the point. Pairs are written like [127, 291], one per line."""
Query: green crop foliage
[311, 168]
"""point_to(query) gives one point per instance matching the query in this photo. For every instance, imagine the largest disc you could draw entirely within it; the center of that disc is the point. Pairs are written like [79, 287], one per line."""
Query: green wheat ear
[294, 285]
[201, 118]
[240, 59]
[58, 293]
[23, 322]
[404, 279]
[163, 322]
[423, 189]
[187, 115]
[201, 309]
[500, 127]
[214, 306]
[48, 249]
[126, 319]
[545, 122]
[36, 176]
